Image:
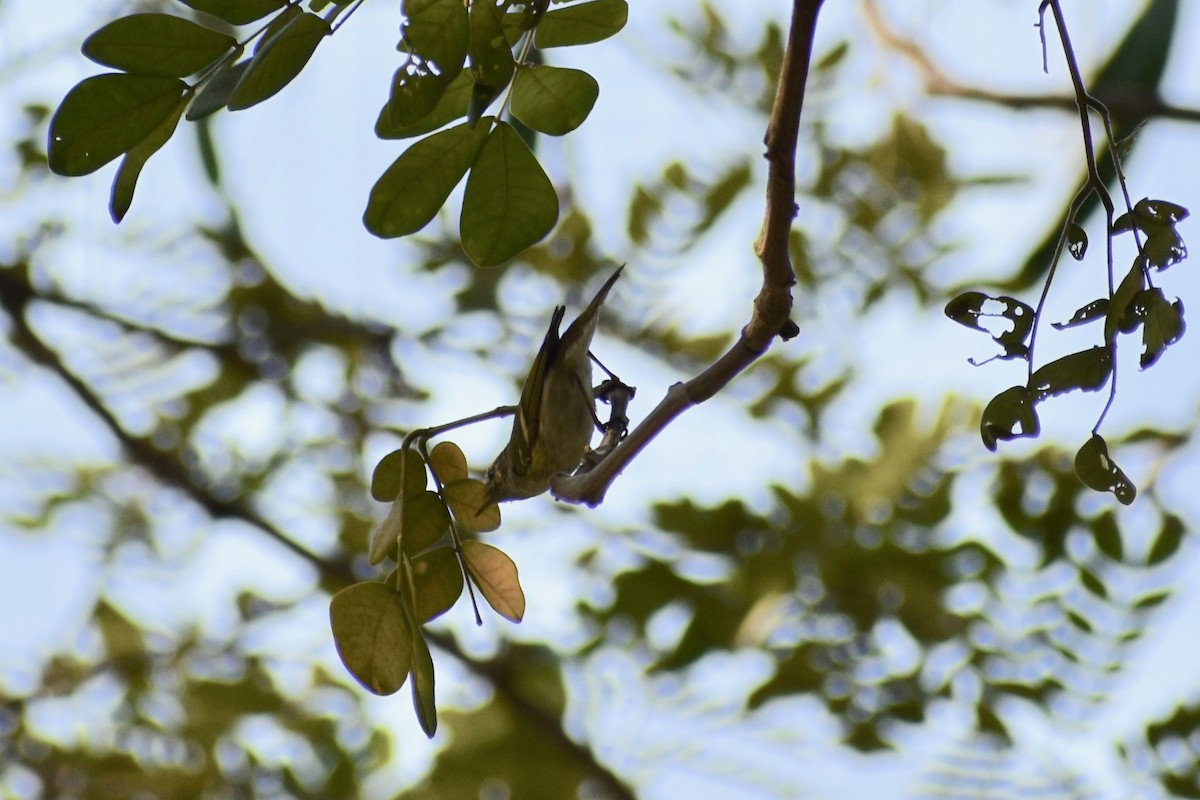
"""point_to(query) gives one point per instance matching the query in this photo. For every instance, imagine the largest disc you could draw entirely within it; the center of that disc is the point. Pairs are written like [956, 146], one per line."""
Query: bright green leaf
[279, 60]
[496, 576]
[156, 44]
[236, 12]
[438, 580]
[581, 23]
[398, 468]
[412, 190]
[1099, 472]
[553, 100]
[509, 204]
[439, 31]
[131, 167]
[469, 502]
[216, 91]
[373, 635]
[1087, 370]
[451, 106]
[1009, 415]
[106, 115]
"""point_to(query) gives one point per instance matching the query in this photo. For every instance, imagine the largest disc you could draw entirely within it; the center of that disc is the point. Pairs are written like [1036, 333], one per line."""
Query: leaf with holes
[1099, 472]
[1119, 316]
[279, 60]
[496, 575]
[1092, 311]
[373, 635]
[157, 44]
[1076, 241]
[970, 307]
[450, 106]
[509, 203]
[1009, 415]
[1162, 324]
[582, 23]
[1087, 370]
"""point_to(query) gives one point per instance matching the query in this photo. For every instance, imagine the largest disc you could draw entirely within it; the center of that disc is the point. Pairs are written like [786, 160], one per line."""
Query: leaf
[468, 501]
[553, 100]
[156, 44]
[131, 167]
[1169, 538]
[426, 519]
[412, 190]
[373, 635]
[236, 12]
[424, 702]
[1164, 248]
[1163, 324]
[438, 579]
[416, 92]
[1087, 370]
[439, 31]
[216, 90]
[398, 465]
[106, 115]
[1097, 471]
[582, 23]
[1156, 218]
[496, 576]
[509, 203]
[1076, 241]
[279, 60]
[448, 462]
[968, 308]
[451, 106]
[1092, 583]
[1092, 311]
[1107, 534]
[491, 56]
[1119, 318]
[1009, 415]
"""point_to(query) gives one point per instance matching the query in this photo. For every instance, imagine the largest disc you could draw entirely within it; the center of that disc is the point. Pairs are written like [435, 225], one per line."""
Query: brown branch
[773, 304]
[335, 573]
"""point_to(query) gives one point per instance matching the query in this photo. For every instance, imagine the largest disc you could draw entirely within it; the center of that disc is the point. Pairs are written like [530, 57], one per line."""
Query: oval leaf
[438, 30]
[106, 115]
[582, 23]
[1099, 472]
[509, 204]
[451, 106]
[397, 466]
[412, 190]
[236, 12]
[469, 501]
[426, 519]
[131, 167]
[157, 44]
[373, 635]
[448, 462]
[437, 577]
[1076, 241]
[496, 576]
[553, 100]
[279, 60]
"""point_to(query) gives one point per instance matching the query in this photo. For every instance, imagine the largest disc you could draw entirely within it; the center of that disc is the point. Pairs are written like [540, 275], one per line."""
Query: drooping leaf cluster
[459, 58]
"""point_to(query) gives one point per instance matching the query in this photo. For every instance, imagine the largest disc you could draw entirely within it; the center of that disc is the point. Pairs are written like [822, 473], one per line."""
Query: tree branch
[773, 304]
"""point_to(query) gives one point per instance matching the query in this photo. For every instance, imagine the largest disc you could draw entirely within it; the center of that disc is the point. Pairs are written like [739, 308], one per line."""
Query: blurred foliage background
[820, 586]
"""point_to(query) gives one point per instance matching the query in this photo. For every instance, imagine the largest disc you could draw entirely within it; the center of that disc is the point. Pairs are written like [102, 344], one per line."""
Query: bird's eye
[491, 472]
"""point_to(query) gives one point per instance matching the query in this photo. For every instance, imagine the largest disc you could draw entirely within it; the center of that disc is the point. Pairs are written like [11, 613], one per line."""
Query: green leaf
[438, 30]
[1119, 318]
[509, 204]
[1097, 471]
[236, 12]
[131, 167]
[451, 106]
[1163, 323]
[216, 91]
[438, 580]
[156, 44]
[106, 115]
[373, 635]
[399, 467]
[553, 100]
[415, 94]
[426, 519]
[1087, 370]
[448, 462]
[279, 60]
[424, 701]
[1107, 534]
[1167, 543]
[412, 190]
[1076, 241]
[491, 56]
[469, 502]
[1009, 415]
[1092, 311]
[1092, 583]
[496, 576]
[581, 23]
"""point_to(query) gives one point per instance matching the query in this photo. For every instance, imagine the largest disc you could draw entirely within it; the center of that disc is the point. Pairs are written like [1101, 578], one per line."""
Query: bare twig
[773, 305]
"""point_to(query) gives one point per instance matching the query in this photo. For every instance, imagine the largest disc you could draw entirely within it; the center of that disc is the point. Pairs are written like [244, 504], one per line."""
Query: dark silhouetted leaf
[1009, 415]
[1164, 248]
[414, 188]
[553, 100]
[1156, 219]
[1077, 241]
[1092, 311]
[969, 307]
[509, 203]
[236, 12]
[373, 635]
[1119, 316]
[156, 44]
[581, 23]
[1106, 532]
[106, 115]
[1087, 370]
[1163, 323]
[496, 575]
[1099, 472]
[279, 60]
[1170, 536]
